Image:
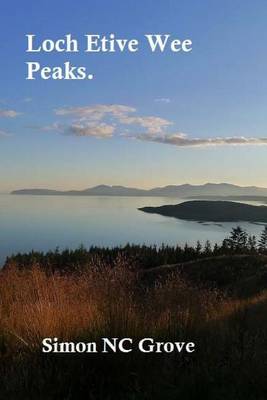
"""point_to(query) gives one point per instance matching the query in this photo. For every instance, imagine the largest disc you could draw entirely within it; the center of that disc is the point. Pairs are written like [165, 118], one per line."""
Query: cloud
[27, 99]
[54, 127]
[97, 112]
[119, 112]
[101, 130]
[152, 124]
[4, 133]
[103, 114]
[106, 121]
[93, 129]
[182, 140]
[164, 100]
[9, 113]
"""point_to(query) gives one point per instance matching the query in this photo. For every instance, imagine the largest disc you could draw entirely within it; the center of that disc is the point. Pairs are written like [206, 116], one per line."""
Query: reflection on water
[45, 222]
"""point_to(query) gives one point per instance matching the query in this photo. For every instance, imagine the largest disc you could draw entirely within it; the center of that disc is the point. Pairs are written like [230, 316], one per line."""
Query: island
[213, 211]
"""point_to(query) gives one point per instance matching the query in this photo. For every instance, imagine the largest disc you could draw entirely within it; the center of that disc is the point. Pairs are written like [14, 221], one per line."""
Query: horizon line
[135, 187]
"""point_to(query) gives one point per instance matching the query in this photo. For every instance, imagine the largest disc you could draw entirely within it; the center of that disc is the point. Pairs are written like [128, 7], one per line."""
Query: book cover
[133, 200]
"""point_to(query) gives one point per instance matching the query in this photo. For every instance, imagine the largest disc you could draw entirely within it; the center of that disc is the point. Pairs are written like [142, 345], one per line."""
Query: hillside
[241, 275]
[216, 211]
[259, 199]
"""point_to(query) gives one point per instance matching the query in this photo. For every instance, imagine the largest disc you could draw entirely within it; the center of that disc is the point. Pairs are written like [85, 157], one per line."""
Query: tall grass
[99, 301]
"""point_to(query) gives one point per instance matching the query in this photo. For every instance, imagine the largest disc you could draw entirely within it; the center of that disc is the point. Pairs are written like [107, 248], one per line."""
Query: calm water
[45, 222]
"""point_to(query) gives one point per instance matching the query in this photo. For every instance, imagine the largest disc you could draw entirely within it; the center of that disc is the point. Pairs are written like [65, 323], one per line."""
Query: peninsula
[214, 211]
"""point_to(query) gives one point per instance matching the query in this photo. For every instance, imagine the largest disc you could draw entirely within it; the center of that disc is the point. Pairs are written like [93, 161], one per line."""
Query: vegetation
[215, 296]
[141, 256]
[217, 211]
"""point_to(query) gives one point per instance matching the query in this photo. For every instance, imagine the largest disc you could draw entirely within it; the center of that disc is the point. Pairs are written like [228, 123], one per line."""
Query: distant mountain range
[180, 191]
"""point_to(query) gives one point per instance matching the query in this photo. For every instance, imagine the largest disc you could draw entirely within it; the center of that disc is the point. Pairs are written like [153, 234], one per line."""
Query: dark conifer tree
[198, 248]
[252, 244]
[238, 239]
[207, 248]
[263, 241]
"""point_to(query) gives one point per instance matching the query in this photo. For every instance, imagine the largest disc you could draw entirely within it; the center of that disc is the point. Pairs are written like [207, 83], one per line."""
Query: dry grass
[101, 301]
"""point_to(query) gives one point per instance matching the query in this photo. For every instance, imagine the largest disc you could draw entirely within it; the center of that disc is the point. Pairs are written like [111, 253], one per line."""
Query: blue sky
[145, 119]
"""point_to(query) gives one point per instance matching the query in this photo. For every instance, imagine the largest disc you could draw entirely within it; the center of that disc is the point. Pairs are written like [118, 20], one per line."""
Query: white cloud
[100, 130]
[97, 112]
[118, 114]
[152, 124]
[164, 100]
[93, 129]
[9, 113]
[104, 121]
[54, 127]
[182, 140]
[4, 133]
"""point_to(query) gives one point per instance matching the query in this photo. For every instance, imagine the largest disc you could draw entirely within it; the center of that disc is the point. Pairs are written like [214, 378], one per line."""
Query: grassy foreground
[230, 332]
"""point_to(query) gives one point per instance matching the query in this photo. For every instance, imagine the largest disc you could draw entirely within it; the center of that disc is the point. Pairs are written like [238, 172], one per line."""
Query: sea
[48, 222]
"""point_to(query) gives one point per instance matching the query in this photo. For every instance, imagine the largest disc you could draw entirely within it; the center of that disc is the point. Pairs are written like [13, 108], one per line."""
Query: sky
[145, 119]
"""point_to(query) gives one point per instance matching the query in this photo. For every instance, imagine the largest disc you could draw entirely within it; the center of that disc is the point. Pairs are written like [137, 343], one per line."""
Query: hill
[240, 275]
[259, 199]
[180, 191]
[216, 211]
